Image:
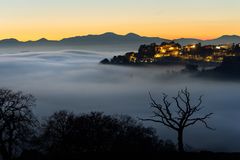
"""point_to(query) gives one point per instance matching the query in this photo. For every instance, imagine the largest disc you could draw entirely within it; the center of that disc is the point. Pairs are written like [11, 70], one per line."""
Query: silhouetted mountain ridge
[9, 41]
[186, 41]
[110, 38]
[224, 40]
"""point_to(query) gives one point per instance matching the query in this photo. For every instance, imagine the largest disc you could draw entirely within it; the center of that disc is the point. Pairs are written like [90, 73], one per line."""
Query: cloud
[73, 80]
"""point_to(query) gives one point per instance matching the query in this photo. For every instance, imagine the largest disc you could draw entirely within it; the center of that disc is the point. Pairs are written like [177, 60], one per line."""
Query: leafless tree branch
[183, 115]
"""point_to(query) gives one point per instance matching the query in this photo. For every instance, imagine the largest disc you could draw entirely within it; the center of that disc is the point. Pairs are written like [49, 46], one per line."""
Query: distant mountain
[42, 41]
[224, 40]
[130, 40]
[110, 38]
[10, 42]
[186, 41]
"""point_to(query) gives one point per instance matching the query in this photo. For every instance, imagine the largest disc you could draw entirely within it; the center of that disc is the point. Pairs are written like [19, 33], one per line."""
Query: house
[154, 51]
[191, 48]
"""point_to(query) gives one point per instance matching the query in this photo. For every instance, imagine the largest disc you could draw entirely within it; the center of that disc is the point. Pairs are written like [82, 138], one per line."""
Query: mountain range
[109, 38]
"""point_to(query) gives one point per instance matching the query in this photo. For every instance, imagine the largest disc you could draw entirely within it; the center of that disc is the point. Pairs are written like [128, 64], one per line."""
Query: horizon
[32, 20]
[118, 35]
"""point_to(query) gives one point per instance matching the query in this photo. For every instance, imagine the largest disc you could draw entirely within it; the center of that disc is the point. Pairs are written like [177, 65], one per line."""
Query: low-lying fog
[74, 81]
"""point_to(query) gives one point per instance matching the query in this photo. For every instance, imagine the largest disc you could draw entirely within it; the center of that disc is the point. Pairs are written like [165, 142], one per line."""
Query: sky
[57, 19]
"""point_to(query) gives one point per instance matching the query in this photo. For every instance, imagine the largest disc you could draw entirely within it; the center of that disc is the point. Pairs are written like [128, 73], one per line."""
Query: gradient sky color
[56, 19]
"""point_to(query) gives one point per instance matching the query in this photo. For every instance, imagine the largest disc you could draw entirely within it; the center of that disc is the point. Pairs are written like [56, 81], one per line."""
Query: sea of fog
[73, 80]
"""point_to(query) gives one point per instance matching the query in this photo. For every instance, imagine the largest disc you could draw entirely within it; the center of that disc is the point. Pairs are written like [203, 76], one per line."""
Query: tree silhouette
[68, 135]
[16, 121]
[184, 114]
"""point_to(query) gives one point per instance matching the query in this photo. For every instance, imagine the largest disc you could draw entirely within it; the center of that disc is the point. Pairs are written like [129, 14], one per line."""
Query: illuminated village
[168, 52]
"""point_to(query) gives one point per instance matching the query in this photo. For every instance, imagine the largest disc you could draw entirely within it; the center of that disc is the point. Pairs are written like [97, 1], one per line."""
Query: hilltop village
[174, 53]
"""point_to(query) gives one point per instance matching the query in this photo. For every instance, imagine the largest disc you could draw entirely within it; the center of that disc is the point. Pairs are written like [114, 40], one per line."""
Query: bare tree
[16, 121]
[184, 114]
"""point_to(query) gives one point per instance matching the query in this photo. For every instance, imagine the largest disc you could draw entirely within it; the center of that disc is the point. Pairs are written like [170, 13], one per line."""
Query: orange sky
[56, 19]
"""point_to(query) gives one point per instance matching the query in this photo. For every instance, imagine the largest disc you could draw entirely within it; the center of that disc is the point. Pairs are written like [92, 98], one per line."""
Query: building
[224, 50]
[224, 47]
[154, 51]
[131, 56]
[208, 53]
[191, 48]
[167, 49]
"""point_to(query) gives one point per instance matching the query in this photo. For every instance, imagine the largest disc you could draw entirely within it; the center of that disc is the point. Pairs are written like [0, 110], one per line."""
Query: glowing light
[163, 50]
[176, 53]
[193, 46]
[209, 58]
[158, 56]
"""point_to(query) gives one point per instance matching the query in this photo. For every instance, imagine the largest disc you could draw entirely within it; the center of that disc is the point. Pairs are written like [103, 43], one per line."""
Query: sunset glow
[56, 19]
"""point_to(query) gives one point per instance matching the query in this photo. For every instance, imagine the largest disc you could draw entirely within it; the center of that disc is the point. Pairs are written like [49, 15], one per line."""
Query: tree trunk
[180, 141]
